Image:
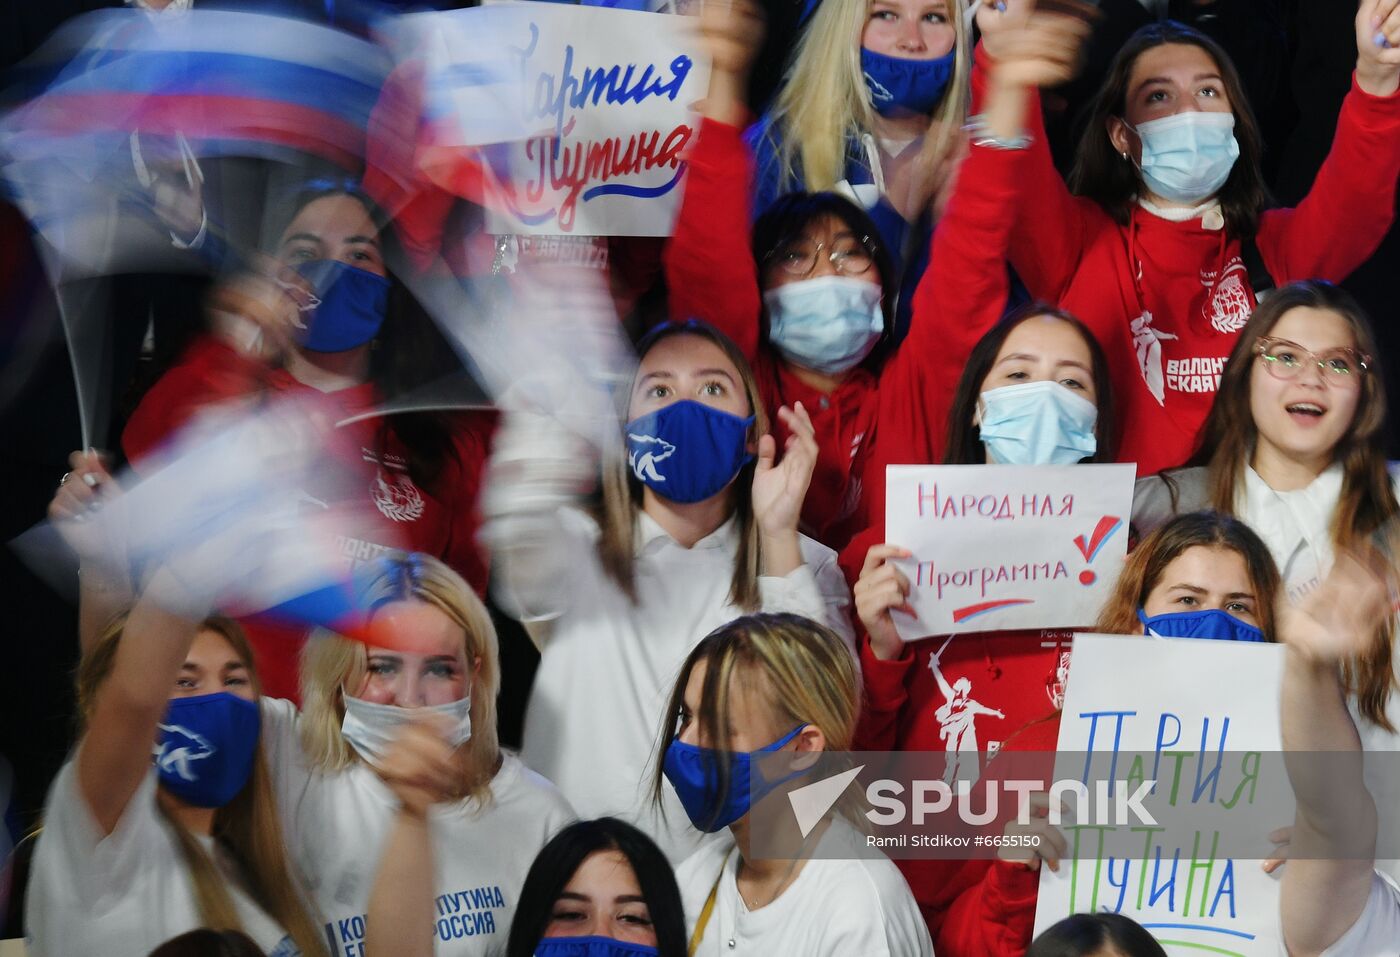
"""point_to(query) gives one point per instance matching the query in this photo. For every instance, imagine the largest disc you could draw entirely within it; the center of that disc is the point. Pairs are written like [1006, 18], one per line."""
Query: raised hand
[1339, 620]
[82, 492]
[420, 767]
[1039, 839]
[882, 588]
[1378, 46]
[731, 32]
[996, 19]
[1040, 49]
[779, 488]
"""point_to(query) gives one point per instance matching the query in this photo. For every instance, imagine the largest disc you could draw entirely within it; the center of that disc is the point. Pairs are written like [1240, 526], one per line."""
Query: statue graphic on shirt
[1148, 343]
[644, 465]
[1055, 685]
[957, 725]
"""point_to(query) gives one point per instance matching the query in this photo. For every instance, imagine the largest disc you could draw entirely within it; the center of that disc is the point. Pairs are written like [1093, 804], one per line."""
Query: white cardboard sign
[998, 548]
[1186, 705]
[581, 112]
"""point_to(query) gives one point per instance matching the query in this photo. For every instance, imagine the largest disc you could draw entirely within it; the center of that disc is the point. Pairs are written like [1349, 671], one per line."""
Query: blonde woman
[776, 684]
[412, 827]
[134, 851]
[875, 100]
[696, 526]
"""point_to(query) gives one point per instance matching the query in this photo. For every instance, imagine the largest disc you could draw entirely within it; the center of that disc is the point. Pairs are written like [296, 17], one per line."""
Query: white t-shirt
[843, 903]
[608, 665]
[127, 893]
[337, 823]
[1376, 932]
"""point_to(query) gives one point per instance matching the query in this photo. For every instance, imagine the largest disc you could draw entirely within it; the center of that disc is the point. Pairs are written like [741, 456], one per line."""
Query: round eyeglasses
[798, 257]
[1285, 360]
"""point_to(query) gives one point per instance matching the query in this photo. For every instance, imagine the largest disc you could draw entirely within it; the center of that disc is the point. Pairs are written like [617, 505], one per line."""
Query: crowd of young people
[715, 583]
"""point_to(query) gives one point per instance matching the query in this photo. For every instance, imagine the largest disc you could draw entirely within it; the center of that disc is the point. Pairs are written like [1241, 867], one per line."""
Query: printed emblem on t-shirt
[957, 725]
[398, 500]
[1230, 303]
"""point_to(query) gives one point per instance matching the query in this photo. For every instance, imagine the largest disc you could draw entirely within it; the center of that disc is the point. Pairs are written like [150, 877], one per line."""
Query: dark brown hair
[1228, 437]
[1104, 176]
[965, 439]
[1149, 561]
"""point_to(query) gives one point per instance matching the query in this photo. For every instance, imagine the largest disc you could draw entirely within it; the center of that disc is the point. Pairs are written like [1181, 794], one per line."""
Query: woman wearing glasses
[1293, 446]
[812, 308]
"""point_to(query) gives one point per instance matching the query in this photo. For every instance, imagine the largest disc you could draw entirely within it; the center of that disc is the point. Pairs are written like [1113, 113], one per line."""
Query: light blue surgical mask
[1188, 156]
[828, 324]
[1037, 423]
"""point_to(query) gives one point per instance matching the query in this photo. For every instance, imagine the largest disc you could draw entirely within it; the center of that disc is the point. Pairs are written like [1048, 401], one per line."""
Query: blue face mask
[828, 324]
[1187, 157]
[694, 773]
[349, 307]
[591, 947]
[687, 451]
[901, 87]
[206, 746]
[1214, 623]
[1037, 423]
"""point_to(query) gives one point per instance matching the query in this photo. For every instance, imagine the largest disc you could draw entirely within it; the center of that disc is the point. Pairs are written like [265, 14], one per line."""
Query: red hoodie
[990, 909]
[1168, 333]
[369, 479]
[1013, 678]
[886, 414]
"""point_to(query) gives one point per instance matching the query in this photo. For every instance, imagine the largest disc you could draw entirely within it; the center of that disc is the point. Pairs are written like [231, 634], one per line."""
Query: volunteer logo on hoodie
[1230, 302]
[1227, 307]
[392, 491]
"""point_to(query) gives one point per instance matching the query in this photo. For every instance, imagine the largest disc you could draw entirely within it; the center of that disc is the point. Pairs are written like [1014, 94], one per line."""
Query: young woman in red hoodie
[812, 306]
[965, 694]
[1202, 575]
[404, 481]
[1153, 241]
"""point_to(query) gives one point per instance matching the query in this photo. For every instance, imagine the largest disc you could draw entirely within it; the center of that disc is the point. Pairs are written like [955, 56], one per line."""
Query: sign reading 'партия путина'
[580, 113]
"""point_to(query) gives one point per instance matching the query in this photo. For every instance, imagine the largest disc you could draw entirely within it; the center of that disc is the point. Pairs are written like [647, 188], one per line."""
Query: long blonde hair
[806, 671]
[621, 498]
[248, 826]
[331, 663]
[825, 103]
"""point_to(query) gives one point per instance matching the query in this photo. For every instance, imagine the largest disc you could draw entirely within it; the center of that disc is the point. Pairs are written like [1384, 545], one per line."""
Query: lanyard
[708, 909]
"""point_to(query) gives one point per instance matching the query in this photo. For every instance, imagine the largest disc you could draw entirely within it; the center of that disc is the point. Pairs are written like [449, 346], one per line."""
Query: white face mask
[371, 728]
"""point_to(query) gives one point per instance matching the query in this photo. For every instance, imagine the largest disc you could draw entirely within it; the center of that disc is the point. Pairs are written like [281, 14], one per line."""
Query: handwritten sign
[581, 112]
[1176, 712]
[1000, 548]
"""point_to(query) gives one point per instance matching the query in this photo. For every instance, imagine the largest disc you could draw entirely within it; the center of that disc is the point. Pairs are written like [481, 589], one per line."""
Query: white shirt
[1296, 526]
[1376, 932]
[845, 902]
[127, 893]
[608, 666]
[337, 824]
